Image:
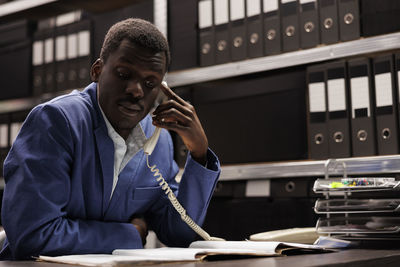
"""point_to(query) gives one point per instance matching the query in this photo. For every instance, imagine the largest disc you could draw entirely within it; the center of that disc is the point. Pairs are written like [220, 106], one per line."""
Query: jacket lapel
[105, 148]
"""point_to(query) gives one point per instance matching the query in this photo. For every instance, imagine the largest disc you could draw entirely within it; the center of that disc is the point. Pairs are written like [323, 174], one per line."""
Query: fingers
[171, 94]
[172, 104]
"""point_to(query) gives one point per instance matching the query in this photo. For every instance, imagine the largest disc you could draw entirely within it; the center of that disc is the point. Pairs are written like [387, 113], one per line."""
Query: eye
[149, 84]
[123, 74]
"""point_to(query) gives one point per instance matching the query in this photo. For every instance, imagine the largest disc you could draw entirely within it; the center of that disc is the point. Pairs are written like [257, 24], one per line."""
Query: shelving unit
[366, 165]
[322, 53]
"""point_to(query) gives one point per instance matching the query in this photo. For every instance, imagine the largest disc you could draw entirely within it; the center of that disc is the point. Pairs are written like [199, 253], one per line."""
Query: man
[76, 177]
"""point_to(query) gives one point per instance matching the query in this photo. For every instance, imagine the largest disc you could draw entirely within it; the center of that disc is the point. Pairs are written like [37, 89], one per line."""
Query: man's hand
[141, 226]
[179, 116]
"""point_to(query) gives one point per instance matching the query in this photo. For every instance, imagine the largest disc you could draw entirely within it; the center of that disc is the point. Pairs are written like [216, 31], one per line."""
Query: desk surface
[353, 257]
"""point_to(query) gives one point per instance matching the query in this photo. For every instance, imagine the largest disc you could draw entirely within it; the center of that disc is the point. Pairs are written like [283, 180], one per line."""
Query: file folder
[385, 105]
[254, 28]
[61, 64]
[272, 27]
[309, 23]
[38, 75]
[206, 33]
[338, 110]
[290, 25]
[328, 20]
[221, 22]
[349, 20]
[318, 139]
[362, 111]
[238, 30]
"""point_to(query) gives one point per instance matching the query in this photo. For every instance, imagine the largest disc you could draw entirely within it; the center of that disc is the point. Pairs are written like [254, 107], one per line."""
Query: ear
[95, 70]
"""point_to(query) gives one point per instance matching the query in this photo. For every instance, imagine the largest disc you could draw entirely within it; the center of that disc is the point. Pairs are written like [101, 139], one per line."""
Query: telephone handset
[148, 149]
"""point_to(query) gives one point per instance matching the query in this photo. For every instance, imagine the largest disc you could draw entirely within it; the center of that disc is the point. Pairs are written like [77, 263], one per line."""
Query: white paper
[253, 7]
[205, 14]
[359, 94]
[3, 135]
[37, 53]
[383, 89]
[72, 45]
[270, 5]
[61, 47]
[84, 43]
[336, 95]
[237, 9]
[221, 15]
[287, 1]
[196, 251]
[316, 97]
[267, 247]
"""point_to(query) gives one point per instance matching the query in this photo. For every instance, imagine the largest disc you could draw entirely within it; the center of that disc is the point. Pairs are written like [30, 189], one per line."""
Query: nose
[135, 88]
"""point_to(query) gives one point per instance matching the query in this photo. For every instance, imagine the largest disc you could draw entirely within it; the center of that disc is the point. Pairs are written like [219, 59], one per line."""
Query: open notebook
[198, 250]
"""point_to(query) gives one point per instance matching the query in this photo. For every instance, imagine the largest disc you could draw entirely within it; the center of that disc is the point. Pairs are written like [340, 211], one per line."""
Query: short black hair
[139, 32]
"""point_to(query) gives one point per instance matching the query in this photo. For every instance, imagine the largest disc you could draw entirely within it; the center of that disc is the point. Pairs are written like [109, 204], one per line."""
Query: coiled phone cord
[178, 207]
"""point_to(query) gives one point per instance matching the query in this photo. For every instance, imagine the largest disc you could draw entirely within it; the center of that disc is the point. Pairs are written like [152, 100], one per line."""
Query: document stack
[361, 208]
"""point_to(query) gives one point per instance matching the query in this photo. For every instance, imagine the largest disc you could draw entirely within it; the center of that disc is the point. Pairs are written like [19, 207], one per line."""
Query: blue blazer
[59, 175]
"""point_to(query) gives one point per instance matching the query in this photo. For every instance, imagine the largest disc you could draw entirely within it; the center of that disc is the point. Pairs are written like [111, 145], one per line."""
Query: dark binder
[349, 20]
[318, 139]
[60, 55]
[338, 110]
[206, 33]
[182, 33]
[38, 74]
[49, 62]
[4, 138]
[309, 23]
[362, 111]
[238, 42]
[221, 24]
[15, 70]
[328, 21]
[254, 28]
[72, 55]
[290, 25]
[272, 27]
[385, 105]
[84, 60]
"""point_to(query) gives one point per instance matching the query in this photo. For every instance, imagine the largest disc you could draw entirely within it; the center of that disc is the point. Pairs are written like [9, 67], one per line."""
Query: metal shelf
[309, 168]
[317, 54]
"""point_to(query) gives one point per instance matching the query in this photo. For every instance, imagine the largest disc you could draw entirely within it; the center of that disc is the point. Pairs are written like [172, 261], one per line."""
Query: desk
[353, 258]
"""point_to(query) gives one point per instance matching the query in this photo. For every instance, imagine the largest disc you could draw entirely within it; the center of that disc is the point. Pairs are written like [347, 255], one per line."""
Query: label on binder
[336, 95]
[270, 5]
[383, 90]
[316, 94]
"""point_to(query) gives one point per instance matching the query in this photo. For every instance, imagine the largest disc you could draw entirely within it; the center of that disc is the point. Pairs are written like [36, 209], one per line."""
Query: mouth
[129, 109]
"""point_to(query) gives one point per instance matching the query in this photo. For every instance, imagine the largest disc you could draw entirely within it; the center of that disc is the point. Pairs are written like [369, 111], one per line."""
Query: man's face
[128, 84]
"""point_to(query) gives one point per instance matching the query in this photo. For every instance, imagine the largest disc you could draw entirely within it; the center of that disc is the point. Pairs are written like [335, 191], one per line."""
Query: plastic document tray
[356, 184]
[356, 206]
[359, 225]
